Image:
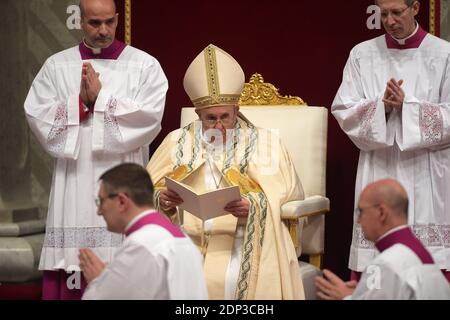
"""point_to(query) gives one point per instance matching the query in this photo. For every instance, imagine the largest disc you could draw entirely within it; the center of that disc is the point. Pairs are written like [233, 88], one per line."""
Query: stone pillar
[31, 31]
[21, 225]
[445, 19]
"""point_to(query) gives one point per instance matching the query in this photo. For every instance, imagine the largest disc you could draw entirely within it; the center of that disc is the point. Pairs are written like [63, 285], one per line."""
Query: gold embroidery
[245, 183]
[178, 174]
[219, 99]
[204, 248]
[161, 184]
[212, 74]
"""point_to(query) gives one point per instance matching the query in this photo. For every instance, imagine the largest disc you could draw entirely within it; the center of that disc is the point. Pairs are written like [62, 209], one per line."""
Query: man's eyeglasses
[359, 210]
[99, 200]
[224, 120]
[396, 13]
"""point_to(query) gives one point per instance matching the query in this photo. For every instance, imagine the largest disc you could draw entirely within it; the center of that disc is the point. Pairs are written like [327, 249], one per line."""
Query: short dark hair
[131, 179]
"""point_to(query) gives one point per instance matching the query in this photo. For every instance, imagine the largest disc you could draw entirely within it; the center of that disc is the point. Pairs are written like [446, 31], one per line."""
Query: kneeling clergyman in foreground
[156, 260]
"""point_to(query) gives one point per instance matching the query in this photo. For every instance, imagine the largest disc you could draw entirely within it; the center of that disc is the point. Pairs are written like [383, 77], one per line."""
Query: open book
[205, 205]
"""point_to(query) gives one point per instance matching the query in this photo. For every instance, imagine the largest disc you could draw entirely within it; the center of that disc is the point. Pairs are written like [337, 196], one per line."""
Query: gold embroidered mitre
[214, 78]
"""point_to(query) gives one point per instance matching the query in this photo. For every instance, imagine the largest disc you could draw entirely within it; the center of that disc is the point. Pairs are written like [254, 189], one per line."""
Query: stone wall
[445, 19]
[31, 31]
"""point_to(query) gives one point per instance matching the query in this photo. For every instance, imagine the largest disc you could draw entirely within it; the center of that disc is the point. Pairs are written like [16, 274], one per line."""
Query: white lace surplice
[398, 274]
[126, 119]
[411, 146]
[163, 267]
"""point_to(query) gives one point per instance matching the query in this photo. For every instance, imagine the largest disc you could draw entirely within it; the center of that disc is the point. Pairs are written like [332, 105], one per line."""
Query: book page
[206, 205]
[189, 196]
[213, 202]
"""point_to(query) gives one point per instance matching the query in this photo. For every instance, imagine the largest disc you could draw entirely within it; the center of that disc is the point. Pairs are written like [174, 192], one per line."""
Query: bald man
[404, 269]
[91, 107]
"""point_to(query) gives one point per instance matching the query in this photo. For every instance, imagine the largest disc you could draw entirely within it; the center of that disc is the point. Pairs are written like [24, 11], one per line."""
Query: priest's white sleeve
[380, 282]
[361, 117]
[426, 124]
[123, 124]
[133, 274]
[53, 119]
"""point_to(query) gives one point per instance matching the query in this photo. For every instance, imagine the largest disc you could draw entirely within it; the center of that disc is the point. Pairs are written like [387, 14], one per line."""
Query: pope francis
[248, 251]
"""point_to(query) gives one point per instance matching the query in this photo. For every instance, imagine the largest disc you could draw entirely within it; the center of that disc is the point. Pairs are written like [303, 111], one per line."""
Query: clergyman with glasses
[394, 104]
[248, 252]
[404, 269]
[156, 260]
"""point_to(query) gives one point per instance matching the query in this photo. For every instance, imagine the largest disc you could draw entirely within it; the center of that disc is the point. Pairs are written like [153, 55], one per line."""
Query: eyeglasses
[359, 210]
[99, 200]
[225, 120]
[396, 13]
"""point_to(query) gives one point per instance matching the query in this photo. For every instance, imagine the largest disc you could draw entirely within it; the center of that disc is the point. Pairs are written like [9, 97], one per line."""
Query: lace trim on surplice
[112, 135]
[57, 137]
[430, 235]
[431, 123]
[366, 113]
[83, 237]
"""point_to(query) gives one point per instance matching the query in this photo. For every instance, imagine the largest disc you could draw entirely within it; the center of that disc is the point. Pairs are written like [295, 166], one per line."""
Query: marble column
[21, 227]
[445, 19]
[31, 30]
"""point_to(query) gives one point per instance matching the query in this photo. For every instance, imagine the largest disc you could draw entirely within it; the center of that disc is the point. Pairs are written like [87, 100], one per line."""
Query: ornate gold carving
[179, 173]
[128, 22]
[433, 17]
[257, 92]
[316, 260]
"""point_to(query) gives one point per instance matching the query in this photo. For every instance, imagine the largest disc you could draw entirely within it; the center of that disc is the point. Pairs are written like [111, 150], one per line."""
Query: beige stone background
[445, 19]
[31, 30]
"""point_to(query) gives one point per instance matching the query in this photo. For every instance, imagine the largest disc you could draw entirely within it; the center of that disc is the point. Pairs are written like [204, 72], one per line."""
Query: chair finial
[257, 92]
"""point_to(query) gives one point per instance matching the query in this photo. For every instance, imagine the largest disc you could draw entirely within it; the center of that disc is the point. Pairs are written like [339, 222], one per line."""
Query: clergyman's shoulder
[135, 54]
[65, 56]
[369, 45]
[437, 44]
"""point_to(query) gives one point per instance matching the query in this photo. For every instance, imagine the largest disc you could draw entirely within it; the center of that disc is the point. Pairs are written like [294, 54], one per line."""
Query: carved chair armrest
[293, 211]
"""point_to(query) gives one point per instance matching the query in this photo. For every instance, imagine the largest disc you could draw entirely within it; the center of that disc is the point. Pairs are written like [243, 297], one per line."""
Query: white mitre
[214, 78]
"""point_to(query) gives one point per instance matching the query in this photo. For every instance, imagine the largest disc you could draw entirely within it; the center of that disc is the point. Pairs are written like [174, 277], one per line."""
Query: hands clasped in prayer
[90, 264]
[90, 84]
[393, 96]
